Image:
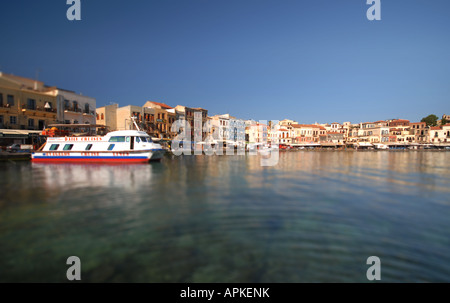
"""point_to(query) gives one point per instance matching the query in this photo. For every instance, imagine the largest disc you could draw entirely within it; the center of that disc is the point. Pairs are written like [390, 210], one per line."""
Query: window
[1, 99]
[31, 104]
[10, 100]
[1, 120]
[54, 147]
[111, 146]
[68, 147]
[88, 147]
[103, 117]
[86, 108]
[436, 134]
[144, 139]
[30, 122]
[117, 139]
[66, 104]
[138, 140]
[75, 106]
[13, 120]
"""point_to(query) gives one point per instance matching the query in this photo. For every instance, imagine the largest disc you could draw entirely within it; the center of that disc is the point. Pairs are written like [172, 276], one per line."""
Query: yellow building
[26, 103]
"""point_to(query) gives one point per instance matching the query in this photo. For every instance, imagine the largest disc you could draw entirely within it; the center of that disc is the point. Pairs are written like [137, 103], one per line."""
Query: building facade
[26, 104]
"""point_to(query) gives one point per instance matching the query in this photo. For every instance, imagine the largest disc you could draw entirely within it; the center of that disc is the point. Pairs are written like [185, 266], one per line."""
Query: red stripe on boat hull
[92, 160]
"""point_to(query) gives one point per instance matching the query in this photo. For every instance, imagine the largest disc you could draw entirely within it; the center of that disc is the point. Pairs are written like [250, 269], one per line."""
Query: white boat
[380, 146]
[118, 146]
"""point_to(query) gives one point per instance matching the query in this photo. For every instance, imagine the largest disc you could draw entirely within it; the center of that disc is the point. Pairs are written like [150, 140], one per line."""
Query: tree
[444, 121]
[430, 120]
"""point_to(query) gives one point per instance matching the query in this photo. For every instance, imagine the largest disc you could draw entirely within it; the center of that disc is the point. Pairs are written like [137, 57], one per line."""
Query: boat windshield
[146, 139]
[117, 139]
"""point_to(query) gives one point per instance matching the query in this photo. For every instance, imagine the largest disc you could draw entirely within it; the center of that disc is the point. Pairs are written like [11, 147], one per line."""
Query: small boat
[127, 146]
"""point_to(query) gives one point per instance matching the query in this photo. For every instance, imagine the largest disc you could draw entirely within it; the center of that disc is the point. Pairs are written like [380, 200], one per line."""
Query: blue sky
[308, 60]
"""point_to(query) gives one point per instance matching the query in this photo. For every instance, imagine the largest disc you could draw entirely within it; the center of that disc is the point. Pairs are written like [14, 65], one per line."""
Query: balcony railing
[37, 109]
[72, 109]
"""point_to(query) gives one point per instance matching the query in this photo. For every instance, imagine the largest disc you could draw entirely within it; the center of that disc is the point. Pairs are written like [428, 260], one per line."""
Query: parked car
[13, 148]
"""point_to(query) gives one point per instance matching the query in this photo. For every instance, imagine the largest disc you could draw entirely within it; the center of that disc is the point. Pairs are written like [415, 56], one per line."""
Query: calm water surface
[315, 217]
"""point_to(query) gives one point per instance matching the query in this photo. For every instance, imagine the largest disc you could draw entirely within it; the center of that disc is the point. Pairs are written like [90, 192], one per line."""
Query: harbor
[315, 217]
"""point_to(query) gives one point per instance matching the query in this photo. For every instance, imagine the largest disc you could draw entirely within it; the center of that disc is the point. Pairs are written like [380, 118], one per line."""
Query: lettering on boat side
[73, 272]
[90, 154]
[121, 154]
[80, 139]
[234, 292]
[374, 271]
[57, 154]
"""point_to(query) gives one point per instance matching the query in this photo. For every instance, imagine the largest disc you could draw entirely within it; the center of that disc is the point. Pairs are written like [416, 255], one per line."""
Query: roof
[399, 120]
[198, 108]
[435, 128]
[163, 105]
[20, 79]
[305, 126]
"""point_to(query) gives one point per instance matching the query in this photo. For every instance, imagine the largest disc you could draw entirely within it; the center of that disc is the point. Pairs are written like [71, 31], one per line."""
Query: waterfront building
[399, 131]
[73, 108]
[308, 133]
[256, 132]
[26, 104]
[220, 126]
[284, 136]
[335, 137]
[227, 129]
[125, 115]
[439, 134]
[188, 115]
[420, 132]
[107, 116]
[160, 119]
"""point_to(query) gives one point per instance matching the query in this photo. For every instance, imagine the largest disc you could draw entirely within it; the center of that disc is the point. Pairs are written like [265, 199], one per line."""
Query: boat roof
[127, 133]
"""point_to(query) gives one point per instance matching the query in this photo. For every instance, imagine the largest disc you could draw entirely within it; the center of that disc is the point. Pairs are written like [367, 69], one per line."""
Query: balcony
[72, 109]
[88, 112]
[38, 111]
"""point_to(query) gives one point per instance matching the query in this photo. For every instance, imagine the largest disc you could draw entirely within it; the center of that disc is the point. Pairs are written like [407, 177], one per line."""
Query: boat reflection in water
[66, 176]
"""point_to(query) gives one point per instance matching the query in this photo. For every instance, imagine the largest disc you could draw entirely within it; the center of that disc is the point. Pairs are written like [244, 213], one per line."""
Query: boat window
[144, 139]
[88, 147]
[118, 139]
[128, 139]
[111, 146]
[138, 140]
[54, 147]
[68, 147]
